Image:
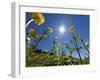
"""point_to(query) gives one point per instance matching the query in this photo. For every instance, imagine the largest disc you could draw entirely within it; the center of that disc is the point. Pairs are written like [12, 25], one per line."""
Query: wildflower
[38, 18]
[33, 33]
[71, 29]
[78, 37]
[50, 29]
[27, 39]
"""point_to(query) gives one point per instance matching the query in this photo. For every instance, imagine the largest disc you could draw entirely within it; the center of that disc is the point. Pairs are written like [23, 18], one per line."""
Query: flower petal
[78, 37]
[33, 33]
[38, 18]
[50, 29]
[71, 29]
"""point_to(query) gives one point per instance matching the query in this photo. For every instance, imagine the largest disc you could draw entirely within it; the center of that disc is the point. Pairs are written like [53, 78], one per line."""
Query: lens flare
[62, 29]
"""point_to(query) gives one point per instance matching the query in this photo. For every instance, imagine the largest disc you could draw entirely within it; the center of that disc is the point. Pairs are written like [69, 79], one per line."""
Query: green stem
[77, 48]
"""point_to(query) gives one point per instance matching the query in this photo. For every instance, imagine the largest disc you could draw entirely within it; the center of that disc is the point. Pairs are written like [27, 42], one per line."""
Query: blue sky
[80, 22]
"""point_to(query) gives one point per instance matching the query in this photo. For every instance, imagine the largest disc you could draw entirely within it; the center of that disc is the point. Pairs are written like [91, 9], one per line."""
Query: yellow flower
[33, 33]
[71, 29]
[27, 39]
[38, 18]
[78, 37]
[50, 29]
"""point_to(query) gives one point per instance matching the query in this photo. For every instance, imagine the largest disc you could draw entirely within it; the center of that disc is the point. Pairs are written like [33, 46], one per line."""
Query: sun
[62, 29]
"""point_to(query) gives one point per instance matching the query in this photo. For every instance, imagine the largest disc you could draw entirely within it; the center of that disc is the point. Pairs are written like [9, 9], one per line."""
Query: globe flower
[27, 39]
[71, 29]
[33, 33]
[38, 18]
[78, 37]
[50, 29]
